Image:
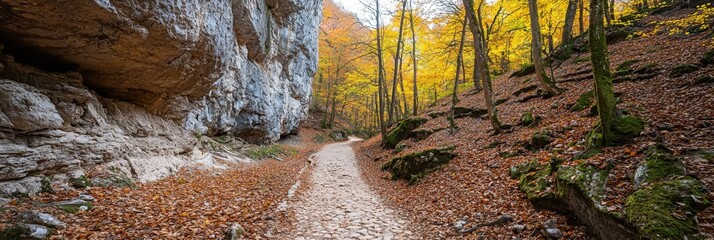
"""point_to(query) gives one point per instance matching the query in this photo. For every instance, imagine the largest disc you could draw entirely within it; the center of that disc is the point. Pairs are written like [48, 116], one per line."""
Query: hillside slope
[678, 112]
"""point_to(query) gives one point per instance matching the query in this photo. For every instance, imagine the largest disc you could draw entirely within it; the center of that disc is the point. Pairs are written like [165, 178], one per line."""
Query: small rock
[4, 201]
[554, 233]
[35, 231]
[518, 228]
[550, 223]
[86, 197]
[459, 225]
[44, 219]
[234, 232]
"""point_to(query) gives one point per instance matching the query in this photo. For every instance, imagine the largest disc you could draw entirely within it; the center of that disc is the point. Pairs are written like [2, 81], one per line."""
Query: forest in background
[422, 39]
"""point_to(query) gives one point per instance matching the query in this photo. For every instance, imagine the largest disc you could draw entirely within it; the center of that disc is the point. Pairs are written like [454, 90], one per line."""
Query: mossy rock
[708, 58]
[74, 206]
[705, 80]
[80, 182]
[115, 179]
[585, 100]
[626, 65]
[14, 232]
[667, 200]
[680, 70]
[500, 101]
[402, 131]
[526, 89]
[538, 183]
[524, 71]
[460, 112]
[588, 153]
[647, 69]
[529, 120]
[625, 128]
[46, 185]
[588, 180]
[616, 36]
[518, 170]
[667, 209]
[539, 140]
[414, 166]
[659, 163]
[339, 135]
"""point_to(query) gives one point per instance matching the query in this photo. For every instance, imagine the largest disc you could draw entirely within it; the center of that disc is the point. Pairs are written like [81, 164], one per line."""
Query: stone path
[340, 205]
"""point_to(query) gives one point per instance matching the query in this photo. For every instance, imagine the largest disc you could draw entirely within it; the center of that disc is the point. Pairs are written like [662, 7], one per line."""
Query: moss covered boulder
[524, 71]
[402, 131]
[708, 58]
[667, 200]
[585, 100]
[539, 140]
[415, 166]
[538, 183]
[680, 70]
[528, 119]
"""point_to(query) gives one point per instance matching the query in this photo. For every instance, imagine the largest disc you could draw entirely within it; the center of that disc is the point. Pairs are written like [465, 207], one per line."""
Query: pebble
[550, 223]
[519, 228]
[340, 204]
[554, 233]
[86, 197]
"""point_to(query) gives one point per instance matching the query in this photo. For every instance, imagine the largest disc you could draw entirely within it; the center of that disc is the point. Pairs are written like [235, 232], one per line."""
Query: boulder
[414, 166]
[43, 219]
[402, 131]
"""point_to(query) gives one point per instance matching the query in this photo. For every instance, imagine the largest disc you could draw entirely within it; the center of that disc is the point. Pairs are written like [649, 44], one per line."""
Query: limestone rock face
[127, 84]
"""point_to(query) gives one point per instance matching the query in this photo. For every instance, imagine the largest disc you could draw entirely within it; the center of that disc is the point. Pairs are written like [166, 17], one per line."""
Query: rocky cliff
[128, 85]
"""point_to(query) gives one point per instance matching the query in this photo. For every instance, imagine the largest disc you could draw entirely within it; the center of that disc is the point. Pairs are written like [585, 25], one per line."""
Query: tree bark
[382, 127]
[601, 70]
[536, 44]
[454, 94]
[397, 64]
[582, 17]
[482, 65]
[567, 38]
[414, 59]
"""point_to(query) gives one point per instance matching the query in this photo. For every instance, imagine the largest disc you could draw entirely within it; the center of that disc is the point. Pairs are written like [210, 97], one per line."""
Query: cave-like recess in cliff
[27, 55]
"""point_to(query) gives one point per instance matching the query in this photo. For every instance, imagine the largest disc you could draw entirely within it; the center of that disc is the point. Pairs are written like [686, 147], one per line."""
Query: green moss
[75, 208]
[535, 181]
[539, 140]
[15, 232]
[508, 154]
[626, 128]
[415, 166]
[525, 90]
[705, 80]
[339, 135]
[318, 138]
[402, 131]
[80, 182]
[649, 68]
[588, 153]
[659, 164]
[269, 151]
[708, 58]
[588, 180]
[626, 65]
[583, 102]
[667, 209]
[494, 144]
[524, 71]
[46, 185]
[582, 60]
[680, 70]
[529, 120]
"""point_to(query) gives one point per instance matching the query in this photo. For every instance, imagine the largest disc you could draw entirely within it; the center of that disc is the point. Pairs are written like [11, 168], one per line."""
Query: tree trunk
[601, 70]
[414, 59]
[645, 5]
[605, 11]
[612, 9]
[582, 16]
[454, 94]
[382, 127]
[482, 65]
[545, 82]
[397, 64]
[567, 38]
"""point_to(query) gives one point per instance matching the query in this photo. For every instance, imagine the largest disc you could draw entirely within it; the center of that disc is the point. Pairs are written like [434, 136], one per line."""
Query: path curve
[340, 205]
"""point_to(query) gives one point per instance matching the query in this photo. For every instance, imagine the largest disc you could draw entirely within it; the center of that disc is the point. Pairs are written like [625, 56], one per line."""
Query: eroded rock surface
[128, 84]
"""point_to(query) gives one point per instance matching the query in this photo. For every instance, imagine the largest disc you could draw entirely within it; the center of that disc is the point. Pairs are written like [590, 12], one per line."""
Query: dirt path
[340, 205]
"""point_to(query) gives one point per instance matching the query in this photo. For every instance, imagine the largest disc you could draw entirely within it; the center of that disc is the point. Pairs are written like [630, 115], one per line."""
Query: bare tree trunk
[582, 17]
[567, 38]
[414, 59]
[382, 127]
[397, 64]
[545, 82]
[605, 11]
[454, 94]
[612, 9]
[482, 65]
[601, 70]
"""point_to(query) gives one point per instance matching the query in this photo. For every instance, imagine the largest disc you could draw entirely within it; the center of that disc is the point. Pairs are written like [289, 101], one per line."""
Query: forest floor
[678, 112]
[193, 204]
